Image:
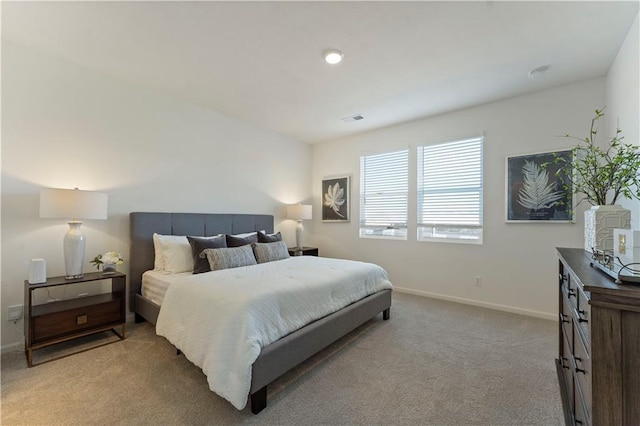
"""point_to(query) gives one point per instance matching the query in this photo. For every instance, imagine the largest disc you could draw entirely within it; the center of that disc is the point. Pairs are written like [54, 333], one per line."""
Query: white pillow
[173, 253]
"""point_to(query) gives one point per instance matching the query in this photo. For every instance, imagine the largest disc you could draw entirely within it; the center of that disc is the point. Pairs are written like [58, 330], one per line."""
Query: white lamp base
[74, 243]
[299, 235]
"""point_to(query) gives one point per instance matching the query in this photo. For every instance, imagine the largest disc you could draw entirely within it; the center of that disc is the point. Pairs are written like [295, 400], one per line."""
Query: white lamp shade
[72, 204]
[299, 211]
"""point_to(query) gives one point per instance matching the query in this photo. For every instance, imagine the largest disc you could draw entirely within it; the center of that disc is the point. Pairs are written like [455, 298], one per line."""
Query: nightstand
[61, 320]
[304, 251]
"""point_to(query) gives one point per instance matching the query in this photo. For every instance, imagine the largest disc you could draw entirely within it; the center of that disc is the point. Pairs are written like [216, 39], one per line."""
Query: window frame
[397, 232]
[453, 189]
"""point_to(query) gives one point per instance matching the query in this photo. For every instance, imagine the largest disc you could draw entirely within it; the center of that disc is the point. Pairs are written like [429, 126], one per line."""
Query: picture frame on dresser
[336, 198]
[538, 188]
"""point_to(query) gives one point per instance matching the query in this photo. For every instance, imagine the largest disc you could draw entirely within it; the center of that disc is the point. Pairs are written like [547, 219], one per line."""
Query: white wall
[517, 262]
[623, 101]
[65, 126]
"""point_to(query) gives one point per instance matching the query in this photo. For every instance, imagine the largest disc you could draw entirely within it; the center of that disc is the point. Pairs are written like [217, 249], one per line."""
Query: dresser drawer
[583, 313]
[566, 319]
[568, 368]
[572, 291]
[58, 324]
[582, 368]
[581, 416]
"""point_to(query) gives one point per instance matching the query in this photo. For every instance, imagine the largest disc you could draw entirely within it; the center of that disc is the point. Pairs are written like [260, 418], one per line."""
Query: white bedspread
[221, 320]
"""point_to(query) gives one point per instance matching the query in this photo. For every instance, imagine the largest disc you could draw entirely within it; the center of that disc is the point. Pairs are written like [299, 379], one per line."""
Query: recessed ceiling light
[538, 72]
[333, 56]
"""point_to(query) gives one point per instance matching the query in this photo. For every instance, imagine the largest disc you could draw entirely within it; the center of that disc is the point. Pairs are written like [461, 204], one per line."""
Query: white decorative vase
[599, 223]
[108, 268]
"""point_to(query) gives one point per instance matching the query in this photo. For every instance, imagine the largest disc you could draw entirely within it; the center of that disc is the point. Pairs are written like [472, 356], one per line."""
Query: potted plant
[601, 175]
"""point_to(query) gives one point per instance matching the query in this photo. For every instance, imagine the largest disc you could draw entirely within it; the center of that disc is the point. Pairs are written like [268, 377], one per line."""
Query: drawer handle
[563, 318]
[571, 293]
[579, 370]
[580, 313]
[565, 360]
[562, 277]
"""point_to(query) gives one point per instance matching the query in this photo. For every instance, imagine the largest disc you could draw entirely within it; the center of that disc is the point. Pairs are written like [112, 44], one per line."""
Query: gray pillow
[269, 238]
[225, 258]
[198, 244]
[234, 241]
[268, 252]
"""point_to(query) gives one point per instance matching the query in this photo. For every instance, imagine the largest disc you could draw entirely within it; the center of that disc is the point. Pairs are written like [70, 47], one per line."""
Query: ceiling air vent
[356, 117]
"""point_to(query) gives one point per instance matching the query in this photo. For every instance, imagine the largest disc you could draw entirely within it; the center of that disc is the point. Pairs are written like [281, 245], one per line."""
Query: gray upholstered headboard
[143, 225]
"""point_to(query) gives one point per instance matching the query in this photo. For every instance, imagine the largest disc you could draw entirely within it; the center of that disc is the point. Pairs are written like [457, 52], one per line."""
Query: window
[384, 180]
[450, 191]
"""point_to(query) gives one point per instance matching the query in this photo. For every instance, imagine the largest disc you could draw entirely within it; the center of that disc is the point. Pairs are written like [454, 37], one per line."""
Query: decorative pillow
[225, 258]
[268, 252]
[269, 238]
[241, 239]
[158, 260]
[173, 253]
[245, 234]
[198, 244]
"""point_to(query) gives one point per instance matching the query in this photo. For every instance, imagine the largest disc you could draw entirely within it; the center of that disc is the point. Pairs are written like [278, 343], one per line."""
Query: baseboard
[12, 347]
[494, 306]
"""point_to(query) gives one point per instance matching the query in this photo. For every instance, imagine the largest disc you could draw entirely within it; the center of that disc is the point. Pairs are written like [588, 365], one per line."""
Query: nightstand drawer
[304, 251]
[58, 324]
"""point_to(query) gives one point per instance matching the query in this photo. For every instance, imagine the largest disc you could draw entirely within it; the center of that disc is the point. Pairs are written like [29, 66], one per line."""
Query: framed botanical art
[336, 198]
[538, 188]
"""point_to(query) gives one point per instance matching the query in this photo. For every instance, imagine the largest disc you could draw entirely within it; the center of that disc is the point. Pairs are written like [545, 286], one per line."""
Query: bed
[277, 357]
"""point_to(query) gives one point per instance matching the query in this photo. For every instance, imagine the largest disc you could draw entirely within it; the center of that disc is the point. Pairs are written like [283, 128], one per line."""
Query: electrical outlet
[15, 312]
[478, 281]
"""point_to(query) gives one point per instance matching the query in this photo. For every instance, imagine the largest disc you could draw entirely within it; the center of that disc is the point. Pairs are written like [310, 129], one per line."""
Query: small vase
[108, 268]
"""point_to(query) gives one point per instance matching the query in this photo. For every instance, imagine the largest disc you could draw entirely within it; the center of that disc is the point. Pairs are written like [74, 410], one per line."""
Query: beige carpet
[433, 363]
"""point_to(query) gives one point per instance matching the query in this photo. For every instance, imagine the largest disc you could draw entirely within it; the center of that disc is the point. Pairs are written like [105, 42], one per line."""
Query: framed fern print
[538, 188]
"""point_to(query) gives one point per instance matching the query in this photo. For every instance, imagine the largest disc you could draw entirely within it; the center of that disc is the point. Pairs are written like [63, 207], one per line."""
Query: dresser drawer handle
[580, 313]
[562, 277]
[579, 370]
[571, 293]
[563, 318]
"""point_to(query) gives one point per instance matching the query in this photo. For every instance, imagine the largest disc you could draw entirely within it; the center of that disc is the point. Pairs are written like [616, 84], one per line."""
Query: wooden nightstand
[304, 251]
[61, 320]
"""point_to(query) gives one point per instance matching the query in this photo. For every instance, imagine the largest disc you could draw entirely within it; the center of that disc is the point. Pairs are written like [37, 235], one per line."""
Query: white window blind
[450, 191]
[384, 180]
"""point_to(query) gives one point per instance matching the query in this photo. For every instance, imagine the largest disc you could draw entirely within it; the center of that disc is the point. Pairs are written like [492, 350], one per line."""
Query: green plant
[602, 174]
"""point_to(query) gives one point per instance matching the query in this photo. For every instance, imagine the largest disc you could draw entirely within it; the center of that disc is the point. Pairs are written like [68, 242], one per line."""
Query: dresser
[599, 344]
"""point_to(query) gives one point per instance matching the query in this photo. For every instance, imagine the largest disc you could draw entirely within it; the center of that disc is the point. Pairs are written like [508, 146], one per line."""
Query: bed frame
[276, 358]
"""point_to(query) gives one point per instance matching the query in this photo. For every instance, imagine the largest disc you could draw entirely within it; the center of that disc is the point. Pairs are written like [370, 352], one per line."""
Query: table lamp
[299, 212]
[73, 204]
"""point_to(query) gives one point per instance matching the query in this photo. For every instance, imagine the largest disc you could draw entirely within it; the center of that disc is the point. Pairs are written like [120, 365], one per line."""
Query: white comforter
[221, 320]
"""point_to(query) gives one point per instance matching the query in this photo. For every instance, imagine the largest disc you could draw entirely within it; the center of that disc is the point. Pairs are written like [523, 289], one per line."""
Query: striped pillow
[268, 252]
[225, 258]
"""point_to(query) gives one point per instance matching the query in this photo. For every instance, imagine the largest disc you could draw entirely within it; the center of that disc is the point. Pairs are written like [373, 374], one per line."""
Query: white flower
[112, 257]
[334, 198]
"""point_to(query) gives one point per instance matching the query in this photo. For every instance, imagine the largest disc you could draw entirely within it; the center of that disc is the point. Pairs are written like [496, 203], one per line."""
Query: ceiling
[261, 62]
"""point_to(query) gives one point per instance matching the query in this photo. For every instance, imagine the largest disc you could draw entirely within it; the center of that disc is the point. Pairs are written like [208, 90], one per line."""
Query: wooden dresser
[599, 344]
